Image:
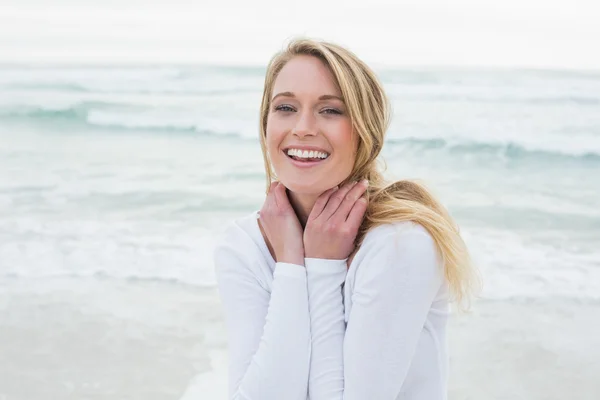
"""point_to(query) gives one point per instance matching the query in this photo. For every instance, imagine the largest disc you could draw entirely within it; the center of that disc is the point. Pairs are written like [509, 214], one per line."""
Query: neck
[302, 205]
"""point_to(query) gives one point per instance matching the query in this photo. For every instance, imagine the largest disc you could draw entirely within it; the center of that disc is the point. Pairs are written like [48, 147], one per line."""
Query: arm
[395, 286]
[393, 293]
[268, 333]
[326, 306]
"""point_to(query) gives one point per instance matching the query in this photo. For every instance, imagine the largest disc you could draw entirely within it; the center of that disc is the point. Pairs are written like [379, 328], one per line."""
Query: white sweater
[322, 331]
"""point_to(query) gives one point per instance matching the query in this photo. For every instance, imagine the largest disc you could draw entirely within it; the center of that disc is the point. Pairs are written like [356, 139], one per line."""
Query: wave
[507, 150]
[194, 88]
[165, 89]
[121, 117]
[501, 95]
[495, 99]
[61, 87]
[170, 81]
[76, 114]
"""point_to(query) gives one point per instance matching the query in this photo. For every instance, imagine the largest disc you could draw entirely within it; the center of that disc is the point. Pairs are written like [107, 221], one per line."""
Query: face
[307, 114]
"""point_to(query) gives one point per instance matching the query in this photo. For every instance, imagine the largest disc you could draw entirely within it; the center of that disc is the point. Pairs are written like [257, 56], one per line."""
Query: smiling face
[307, 113]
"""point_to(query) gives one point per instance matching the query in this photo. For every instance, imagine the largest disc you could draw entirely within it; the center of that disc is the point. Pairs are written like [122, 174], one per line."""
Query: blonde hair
[405, 200]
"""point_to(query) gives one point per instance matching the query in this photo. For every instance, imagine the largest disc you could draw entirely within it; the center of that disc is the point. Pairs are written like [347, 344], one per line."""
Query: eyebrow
[324, 97]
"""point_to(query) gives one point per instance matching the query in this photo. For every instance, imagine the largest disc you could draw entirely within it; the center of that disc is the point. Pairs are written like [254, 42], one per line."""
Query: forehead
[306, 75]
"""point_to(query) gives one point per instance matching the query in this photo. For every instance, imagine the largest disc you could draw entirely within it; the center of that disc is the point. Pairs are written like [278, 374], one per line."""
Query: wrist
[292, 260]
[292, 257]
[324, 256]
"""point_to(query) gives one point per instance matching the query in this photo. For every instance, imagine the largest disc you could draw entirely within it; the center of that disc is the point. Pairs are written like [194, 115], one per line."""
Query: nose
[305, 125]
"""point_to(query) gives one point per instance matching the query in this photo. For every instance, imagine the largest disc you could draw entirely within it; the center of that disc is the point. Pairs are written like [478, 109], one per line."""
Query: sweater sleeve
[268, 333]
[326, 306]
[395, 286]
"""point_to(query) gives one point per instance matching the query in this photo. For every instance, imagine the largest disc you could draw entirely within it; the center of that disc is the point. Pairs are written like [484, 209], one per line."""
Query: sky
[561, 34]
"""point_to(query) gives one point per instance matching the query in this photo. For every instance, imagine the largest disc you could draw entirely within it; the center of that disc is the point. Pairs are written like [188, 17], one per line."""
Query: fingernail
[354, 183]
[336, 187]
[366, 182]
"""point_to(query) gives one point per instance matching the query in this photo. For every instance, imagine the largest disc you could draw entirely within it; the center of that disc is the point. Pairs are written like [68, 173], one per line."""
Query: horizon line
[374, 65]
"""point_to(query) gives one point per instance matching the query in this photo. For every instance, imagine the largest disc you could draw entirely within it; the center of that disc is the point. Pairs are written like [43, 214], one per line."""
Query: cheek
[345, 141]
[273, 139]
[271, 133]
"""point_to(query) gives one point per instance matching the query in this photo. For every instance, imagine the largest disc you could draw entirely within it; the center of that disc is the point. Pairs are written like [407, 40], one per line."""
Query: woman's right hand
[280, 224]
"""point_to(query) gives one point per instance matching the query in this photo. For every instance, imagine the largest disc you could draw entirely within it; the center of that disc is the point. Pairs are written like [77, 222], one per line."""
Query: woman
[339, 287]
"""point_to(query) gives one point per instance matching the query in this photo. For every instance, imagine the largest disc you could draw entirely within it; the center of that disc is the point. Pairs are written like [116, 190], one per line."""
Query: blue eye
[284, 108]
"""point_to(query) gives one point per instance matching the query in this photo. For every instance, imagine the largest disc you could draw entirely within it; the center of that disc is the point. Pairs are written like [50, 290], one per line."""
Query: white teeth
[307, 154]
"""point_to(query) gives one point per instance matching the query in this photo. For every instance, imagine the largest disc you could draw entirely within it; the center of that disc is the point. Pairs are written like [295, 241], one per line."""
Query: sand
[100, 338]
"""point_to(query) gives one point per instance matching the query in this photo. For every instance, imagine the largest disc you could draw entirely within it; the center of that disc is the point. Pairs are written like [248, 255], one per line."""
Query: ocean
[114, 182]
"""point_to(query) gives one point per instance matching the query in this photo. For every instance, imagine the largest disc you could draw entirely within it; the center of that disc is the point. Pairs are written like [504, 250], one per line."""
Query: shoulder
[399, 248]
[234, 240]
[231, 232]
[237, 259]
[399, 234]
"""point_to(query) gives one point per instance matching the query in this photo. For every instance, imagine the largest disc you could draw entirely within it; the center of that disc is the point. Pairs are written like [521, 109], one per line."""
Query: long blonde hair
[404, 200]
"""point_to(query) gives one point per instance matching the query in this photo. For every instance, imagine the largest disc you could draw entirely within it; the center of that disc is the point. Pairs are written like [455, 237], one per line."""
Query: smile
[306, 154]
[305, 158]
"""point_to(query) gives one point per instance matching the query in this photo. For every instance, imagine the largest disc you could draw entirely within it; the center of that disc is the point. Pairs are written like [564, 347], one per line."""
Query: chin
[305, 188]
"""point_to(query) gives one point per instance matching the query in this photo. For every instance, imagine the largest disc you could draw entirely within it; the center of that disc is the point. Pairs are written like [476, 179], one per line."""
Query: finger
[272, 186]
[355, 217]
[271, 191]
[336, 199]
[280, 196]
[353, 195]
[269, 201]
[321, 203]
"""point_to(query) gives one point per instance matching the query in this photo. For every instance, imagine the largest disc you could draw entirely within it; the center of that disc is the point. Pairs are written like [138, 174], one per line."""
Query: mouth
[306, 158]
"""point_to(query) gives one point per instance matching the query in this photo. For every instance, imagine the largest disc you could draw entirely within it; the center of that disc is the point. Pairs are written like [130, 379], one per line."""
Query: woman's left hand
[333, 222]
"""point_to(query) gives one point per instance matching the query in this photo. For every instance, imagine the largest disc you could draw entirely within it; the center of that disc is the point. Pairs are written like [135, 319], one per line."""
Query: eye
[331, 111]
[284, 107]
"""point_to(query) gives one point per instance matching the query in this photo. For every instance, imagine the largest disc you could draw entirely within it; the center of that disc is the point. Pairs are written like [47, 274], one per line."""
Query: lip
[304, 164]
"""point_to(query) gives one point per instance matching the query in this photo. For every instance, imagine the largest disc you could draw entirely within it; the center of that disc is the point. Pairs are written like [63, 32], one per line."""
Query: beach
[115, 182]
[105, 339]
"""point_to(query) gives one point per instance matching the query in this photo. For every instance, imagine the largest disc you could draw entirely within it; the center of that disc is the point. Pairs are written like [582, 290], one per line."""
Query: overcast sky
[522, 33]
